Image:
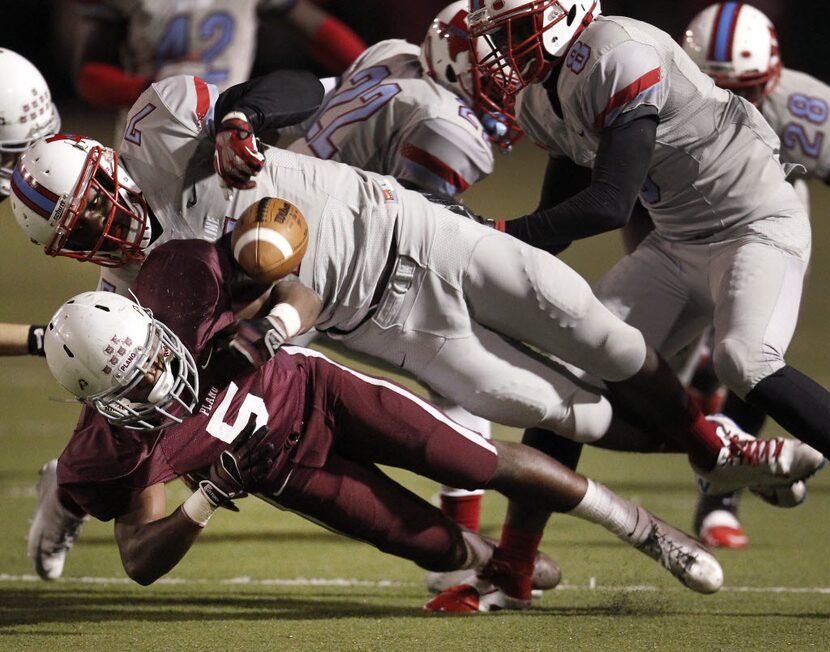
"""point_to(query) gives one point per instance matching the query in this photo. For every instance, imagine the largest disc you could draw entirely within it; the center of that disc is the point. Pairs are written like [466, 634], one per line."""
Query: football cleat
[53, 529]
[746, 461]
[721, 529]
[546, 576]
[475, 595]
[677, 552]
[790, 495]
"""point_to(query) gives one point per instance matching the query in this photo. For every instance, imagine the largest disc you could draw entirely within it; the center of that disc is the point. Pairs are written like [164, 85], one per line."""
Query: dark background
[803, 27]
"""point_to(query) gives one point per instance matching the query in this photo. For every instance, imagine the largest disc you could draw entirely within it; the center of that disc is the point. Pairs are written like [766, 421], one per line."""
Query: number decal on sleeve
[811, 109]
[578, 57]
[131, 132]
[215, 33]
[227, 432]
[368, 94]
[794, 134]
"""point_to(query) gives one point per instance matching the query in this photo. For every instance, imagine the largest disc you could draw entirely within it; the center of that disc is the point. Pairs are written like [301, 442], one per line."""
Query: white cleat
[677, 552]
[746, 461]
[791, 495]
[53, 529]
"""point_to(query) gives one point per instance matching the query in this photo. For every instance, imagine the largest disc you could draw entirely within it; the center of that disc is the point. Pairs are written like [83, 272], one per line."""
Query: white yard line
[344, 582]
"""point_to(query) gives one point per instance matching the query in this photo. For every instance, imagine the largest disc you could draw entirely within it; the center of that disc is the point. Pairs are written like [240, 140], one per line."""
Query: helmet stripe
[31, 193]
[724, 35]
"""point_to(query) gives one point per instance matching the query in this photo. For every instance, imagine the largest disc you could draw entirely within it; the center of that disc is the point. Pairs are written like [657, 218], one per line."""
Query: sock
[602, 506]
[464, 510]
[335, 46]
[798, 403]
[748, 417]
[704, 444]
[513, 560]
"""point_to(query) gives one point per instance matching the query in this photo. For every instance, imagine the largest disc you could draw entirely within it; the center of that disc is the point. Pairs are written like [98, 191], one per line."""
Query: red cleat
[720, 529]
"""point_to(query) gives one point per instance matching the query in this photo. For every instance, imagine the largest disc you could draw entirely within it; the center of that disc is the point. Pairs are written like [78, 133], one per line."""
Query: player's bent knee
[738, 369]
[625, 349]
[592, 417]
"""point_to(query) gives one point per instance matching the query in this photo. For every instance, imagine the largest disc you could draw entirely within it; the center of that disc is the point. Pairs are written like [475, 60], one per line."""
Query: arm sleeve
[278, 99]
[619, 171]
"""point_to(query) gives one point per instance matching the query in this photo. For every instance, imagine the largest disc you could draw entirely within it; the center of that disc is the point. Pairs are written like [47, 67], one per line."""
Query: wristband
[288, 316]
[34, 342]
[198, 508]
[234, 115]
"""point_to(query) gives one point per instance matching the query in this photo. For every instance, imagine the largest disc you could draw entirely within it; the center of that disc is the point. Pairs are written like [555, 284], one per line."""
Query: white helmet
[445, 52]
[101, 347]
[62, 180]
[26, 111]
[446, 56]
[736, 45]
[525, 37]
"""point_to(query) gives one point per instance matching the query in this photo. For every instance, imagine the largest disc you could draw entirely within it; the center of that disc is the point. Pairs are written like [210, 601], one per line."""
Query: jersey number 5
[227, 432]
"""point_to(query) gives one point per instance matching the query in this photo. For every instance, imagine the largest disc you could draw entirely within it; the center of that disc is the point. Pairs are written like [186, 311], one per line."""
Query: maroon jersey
[187, 286]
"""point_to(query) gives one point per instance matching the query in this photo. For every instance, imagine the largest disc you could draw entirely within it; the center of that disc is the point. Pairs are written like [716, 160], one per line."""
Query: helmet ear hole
[571, 15]
[449, 73]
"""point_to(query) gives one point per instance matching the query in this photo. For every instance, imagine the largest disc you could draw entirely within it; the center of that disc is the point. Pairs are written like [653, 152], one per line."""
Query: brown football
[270, 239]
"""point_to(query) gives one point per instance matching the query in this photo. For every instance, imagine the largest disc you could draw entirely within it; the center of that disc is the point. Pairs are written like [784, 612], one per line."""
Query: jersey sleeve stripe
[723, 37]
[31, 193]
[450, 180]
[639, 87]
[203, 102]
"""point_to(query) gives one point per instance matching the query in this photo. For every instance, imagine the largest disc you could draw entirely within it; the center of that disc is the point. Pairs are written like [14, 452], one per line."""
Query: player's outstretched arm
[151, 544]
[21, 339]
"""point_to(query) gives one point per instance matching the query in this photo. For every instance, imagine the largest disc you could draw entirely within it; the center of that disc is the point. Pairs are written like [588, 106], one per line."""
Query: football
[270, 239]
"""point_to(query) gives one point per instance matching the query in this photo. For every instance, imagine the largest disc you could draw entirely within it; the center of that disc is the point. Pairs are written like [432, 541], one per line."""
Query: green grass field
[263, 579]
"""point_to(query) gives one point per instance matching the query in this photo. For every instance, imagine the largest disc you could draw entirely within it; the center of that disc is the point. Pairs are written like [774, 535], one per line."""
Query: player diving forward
[408, 281]
[162, 401]
[620, 98]
[45, 188]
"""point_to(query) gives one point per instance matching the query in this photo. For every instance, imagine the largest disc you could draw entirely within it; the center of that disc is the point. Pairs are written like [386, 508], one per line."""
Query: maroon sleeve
[103, 470]
[186, 283]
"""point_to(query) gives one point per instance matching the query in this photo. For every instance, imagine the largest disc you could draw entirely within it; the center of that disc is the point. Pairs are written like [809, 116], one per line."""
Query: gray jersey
[708, 141]
[388, 117]
[168, 151]
[214, 39]
[797, 109]
[430, 271]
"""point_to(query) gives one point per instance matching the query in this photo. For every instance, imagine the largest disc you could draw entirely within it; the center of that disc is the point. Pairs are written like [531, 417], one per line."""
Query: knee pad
[626, 348]
[586, 419]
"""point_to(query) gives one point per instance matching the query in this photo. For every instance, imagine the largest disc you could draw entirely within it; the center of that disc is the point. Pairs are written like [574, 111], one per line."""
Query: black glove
[241, 468]
[252, 341]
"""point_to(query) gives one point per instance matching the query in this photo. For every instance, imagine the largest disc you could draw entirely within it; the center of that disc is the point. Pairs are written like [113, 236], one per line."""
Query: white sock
[602, 506]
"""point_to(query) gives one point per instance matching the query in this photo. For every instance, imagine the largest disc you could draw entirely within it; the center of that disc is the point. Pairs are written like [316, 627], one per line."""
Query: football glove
[240, 469]
[255, 340]
[236, 157]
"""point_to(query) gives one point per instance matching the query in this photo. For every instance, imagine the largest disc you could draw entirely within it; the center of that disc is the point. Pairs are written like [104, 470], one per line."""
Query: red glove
[236, 158]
